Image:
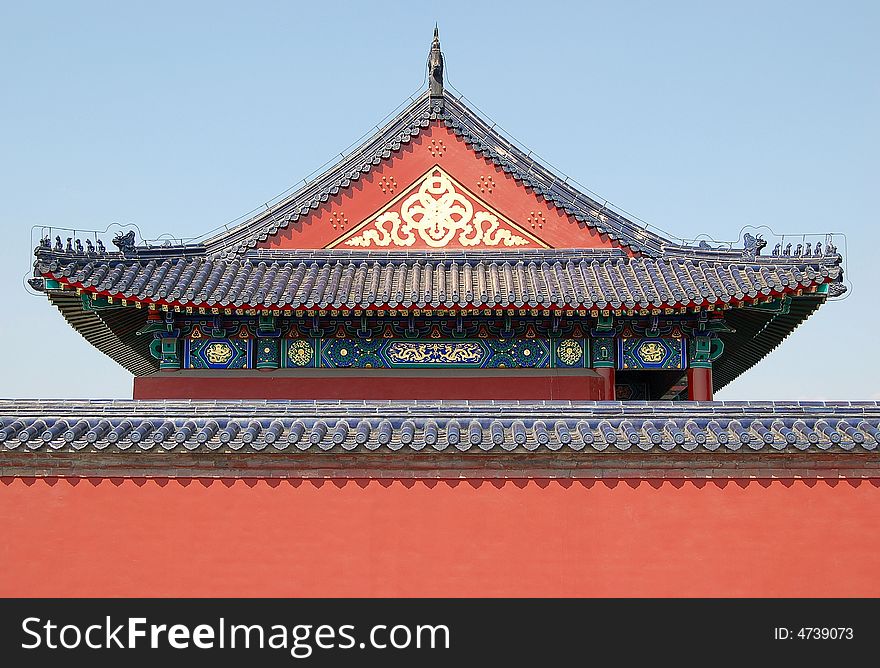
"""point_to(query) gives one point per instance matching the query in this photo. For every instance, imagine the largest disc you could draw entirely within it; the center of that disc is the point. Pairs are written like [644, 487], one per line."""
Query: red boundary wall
[198, 537]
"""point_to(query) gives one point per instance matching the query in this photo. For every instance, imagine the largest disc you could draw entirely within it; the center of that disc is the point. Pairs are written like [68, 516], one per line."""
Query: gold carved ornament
[406, 352]
[436, 214]
[569, 352]
[219, 353]
[299, 352]
[651, 352]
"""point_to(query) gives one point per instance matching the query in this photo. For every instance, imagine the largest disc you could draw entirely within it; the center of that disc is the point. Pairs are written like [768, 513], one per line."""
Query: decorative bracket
[704, 351]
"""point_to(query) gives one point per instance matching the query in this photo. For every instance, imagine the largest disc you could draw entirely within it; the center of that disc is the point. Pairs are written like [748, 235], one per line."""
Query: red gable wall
[485, 182]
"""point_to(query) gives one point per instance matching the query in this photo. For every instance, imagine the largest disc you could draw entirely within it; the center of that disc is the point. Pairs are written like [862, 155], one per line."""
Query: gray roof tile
[322, 279]
[251, 426]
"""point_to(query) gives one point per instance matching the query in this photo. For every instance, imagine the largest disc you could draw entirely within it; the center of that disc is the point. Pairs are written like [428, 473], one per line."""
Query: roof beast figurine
[435, 67]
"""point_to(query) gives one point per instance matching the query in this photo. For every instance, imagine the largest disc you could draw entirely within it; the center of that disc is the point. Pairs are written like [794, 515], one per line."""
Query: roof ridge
[681, 253]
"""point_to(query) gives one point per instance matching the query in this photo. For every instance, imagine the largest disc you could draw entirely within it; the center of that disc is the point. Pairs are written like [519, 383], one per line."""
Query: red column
[700, 384]
[608, 391]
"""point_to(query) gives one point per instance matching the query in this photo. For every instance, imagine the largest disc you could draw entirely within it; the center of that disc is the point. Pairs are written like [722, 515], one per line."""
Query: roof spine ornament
[435, 67]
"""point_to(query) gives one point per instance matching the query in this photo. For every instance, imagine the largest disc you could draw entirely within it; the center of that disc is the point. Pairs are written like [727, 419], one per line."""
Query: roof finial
[435, 66]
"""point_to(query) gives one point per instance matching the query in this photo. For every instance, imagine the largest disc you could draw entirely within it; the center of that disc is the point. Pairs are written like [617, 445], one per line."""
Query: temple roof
[293, 427]
[486, 146]
[293, 254]
[350, 279]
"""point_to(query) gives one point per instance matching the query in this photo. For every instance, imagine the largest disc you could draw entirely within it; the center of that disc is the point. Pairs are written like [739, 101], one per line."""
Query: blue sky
[700, 118]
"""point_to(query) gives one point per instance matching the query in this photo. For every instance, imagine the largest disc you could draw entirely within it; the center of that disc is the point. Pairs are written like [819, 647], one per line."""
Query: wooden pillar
[607, 389]
[700, 384]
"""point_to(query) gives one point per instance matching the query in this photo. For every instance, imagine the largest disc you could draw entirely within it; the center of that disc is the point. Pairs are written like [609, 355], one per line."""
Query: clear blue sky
[698, 117]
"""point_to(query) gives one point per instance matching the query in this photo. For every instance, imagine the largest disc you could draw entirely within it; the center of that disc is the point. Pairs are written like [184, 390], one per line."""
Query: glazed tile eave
[437, 426]
[323, 280]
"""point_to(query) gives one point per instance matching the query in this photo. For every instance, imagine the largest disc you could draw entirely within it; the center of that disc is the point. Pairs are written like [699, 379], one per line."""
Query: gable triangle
[437, 212]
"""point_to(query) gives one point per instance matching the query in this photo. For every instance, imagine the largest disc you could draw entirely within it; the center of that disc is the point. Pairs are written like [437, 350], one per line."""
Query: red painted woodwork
[161, 537]
[166, 385]
[608, 388]
[372, 193]
[699, 384]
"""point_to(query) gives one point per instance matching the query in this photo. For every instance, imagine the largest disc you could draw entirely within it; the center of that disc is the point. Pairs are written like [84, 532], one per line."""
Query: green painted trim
[98, 303]
[600, 345]
[152, 326]
[780, 306]
[605, 323]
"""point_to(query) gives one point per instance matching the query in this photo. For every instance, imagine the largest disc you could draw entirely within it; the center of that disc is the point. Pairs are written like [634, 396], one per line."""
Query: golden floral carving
[536, 219]
[388, 184]
[299, 352]
[569, 351]
[437, 214]
[437, 148]
[486, 184]
[338, 220]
